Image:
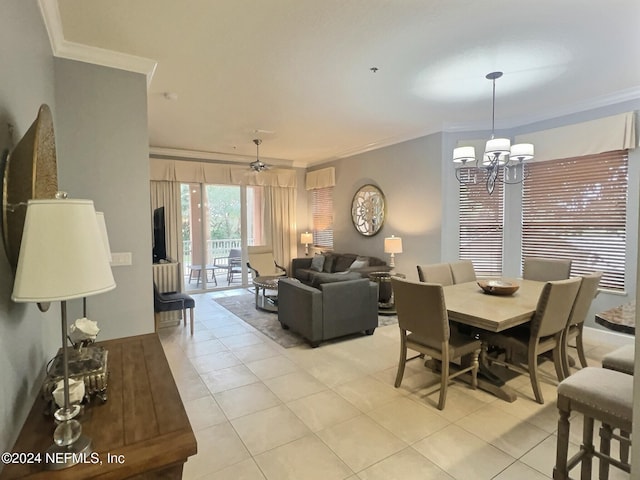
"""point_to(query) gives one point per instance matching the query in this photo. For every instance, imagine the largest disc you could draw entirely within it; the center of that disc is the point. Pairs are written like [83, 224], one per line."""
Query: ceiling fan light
[522, 151]
[464, 154]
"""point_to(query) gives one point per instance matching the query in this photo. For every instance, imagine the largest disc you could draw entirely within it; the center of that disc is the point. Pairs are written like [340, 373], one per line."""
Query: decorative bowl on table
[498, 287]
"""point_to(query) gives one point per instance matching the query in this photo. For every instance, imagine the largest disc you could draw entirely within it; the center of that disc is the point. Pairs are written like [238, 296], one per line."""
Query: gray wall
[103, 149]
[100, 123]
[28, 338]
[409, 175]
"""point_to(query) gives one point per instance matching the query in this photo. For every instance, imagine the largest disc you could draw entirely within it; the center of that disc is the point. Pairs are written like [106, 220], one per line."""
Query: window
[322, 212]
[481, 226]
[576, 208]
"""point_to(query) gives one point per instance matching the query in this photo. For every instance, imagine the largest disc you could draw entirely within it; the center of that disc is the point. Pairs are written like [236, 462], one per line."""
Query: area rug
[244, 307]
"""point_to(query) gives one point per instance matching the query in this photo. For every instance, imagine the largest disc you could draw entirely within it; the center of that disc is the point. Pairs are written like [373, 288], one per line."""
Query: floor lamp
[62, 257]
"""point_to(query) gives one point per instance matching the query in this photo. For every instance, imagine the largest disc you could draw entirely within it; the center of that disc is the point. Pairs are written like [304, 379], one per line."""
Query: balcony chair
[439, 273]
[424, 327]
[546, 269]
[545, 332]
[262, 263]
[231, 264]
[172, 301]
[462, 271]
[588, 290]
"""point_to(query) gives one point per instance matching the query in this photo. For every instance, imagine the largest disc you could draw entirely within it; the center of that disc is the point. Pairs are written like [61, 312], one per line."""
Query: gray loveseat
[330, 311]
[335, 267]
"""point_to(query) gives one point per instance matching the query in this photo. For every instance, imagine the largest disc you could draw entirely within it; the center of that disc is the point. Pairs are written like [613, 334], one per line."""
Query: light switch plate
[121, 259]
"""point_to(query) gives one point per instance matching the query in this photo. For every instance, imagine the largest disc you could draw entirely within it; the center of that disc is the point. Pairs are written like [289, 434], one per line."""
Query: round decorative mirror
[368, 210]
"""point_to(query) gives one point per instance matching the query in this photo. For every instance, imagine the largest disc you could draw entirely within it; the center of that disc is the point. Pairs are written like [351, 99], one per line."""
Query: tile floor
[260, 411]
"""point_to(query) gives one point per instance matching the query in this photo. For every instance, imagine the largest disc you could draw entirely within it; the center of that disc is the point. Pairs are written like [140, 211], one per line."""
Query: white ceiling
[298, 71]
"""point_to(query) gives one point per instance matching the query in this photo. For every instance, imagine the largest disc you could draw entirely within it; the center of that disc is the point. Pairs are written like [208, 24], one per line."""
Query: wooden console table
[142, 428]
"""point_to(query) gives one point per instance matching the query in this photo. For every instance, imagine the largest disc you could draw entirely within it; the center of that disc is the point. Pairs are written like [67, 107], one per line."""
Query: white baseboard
[597, 335]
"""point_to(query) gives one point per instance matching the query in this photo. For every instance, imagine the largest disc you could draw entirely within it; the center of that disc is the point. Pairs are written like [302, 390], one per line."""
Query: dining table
[470, 305]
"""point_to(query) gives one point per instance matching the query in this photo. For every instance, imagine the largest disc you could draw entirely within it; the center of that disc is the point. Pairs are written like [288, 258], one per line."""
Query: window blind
[481, 227]
[322, 211]
[576, 208]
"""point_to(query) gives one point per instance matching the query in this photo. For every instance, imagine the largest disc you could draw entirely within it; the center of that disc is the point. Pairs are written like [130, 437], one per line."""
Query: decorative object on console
[392, 245]
[30, 171]
[501, 161]
[62, 257]
[368, 210]
[306, 239]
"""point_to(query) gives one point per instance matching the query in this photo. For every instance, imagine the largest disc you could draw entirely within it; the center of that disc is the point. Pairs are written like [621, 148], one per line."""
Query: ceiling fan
[258, 165]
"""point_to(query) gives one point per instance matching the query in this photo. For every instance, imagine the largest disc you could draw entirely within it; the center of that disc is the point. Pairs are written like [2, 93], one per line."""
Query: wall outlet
[121, 259]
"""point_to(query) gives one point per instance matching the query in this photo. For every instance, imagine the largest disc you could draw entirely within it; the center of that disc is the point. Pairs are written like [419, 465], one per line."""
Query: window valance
[213, 173]
[606, 134]
[325, 177]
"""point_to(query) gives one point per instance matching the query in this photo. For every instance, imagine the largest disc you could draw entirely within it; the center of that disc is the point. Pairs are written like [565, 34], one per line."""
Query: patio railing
[215, 248]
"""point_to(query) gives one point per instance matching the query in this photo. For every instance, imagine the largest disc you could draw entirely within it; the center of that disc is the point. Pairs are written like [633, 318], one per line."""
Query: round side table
[264, 301]
[386, 305]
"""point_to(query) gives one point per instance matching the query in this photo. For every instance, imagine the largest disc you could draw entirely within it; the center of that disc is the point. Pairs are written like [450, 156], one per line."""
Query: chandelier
[501, 161]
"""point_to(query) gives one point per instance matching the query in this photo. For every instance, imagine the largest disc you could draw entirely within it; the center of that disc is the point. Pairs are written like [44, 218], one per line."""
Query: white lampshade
[62, 254]
[498, 145]
[464, 154]
[306, 238]
[102, 225]
[522, 151]
[393, 244]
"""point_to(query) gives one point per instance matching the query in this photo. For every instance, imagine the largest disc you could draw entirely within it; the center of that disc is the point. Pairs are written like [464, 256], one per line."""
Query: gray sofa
[335, 267]
[330, 311]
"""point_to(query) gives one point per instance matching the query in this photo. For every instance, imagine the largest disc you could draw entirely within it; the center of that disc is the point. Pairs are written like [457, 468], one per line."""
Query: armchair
[332, 310]
[262, 263]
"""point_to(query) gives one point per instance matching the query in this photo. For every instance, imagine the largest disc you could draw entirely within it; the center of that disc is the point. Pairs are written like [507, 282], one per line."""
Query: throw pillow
[328, 262]
[359, 264]
[317, 262]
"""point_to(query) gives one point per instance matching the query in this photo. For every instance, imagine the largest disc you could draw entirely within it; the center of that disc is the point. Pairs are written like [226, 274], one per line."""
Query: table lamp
[392, 245]
[62, 257]
[306, 238]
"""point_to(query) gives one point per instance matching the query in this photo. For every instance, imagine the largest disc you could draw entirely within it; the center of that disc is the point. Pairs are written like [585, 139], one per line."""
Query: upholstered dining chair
[424, 327]
[435, 273]
[545, 332]
[462, 271]
[586, 294]
[546, 269]
[262, 262]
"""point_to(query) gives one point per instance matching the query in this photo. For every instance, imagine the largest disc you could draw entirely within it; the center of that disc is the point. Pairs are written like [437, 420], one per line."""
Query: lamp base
[58, 457]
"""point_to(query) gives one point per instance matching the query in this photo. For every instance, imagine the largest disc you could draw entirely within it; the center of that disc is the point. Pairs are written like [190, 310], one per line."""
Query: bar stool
[599, 394]
[621, 360]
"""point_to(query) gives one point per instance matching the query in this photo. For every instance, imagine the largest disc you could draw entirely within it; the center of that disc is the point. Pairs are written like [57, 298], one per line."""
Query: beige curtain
[281, 210]
[605, 134]
[325, 177]
[201, 172]
[167, 195]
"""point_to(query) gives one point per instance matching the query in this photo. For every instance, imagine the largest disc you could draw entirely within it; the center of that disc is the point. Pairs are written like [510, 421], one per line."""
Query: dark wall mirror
[368, 210]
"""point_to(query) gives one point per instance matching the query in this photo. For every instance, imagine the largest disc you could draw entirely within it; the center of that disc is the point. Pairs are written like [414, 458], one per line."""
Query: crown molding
[63, 48]
[622, 96]
[183, 154]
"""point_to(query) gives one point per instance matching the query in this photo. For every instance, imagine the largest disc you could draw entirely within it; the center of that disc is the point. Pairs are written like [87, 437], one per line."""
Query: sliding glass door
[218, 222]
